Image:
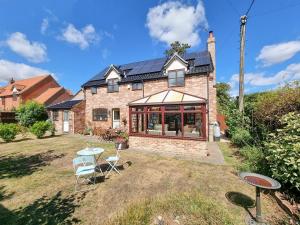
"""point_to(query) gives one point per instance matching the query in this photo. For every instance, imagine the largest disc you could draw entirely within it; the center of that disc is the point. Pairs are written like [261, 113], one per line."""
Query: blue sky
[76, 39]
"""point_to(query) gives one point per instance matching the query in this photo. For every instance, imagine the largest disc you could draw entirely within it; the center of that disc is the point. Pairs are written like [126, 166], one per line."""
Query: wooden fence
[8, 117]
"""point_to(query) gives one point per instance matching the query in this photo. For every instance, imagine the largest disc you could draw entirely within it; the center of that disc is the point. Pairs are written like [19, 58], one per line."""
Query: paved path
[215, 154]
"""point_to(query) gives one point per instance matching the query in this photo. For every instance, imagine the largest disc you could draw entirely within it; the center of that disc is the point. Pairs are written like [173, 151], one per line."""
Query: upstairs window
[137, 86]
[100, 114]
[94, 90]
[176, 78]
[113, 85]
[15, 97]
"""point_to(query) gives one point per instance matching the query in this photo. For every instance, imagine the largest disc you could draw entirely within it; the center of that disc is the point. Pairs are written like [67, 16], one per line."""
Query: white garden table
[96, 152]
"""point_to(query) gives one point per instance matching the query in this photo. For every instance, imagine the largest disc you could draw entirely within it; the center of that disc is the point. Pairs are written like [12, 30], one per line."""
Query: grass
[37, 187]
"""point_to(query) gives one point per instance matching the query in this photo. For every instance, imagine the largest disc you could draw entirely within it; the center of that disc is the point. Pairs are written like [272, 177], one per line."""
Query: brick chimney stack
[211, 47]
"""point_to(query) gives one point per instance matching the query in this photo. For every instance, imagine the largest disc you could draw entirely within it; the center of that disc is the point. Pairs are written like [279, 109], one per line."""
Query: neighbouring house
[43, 89]
[69, 116]
[165, 103]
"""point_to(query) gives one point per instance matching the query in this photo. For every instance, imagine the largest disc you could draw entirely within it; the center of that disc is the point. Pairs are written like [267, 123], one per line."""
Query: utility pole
[242, 54]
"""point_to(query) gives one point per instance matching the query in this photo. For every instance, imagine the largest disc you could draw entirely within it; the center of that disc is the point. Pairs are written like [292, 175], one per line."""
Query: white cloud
[274, 54]
[175, 21]
[82, 38]
[9, 69]
[44, 25]
[105, 53]
[33, 51]
[290, 73]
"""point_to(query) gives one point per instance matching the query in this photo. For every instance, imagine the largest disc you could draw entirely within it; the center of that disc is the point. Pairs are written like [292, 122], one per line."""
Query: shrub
[283, 149]
[253, 159]
[8, 131]
[40, 128]
[241, 137]
[22, 130]
[31, 112]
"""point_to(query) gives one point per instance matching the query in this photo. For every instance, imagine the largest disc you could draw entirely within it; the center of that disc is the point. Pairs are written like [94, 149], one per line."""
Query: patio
[149, 186]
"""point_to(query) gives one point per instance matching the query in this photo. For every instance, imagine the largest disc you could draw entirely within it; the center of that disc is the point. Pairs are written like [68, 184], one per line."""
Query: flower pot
[124, 145]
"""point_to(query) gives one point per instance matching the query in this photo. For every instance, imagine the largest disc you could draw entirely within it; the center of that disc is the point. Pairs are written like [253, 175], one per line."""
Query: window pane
[192, 125]
[180, 73]
[154, 108]
[192, 107]
[172, 82]
[180, 81]
[154, 124]
[137, 109]
[172, 108]
[137, 123]
[172, 74]
[94, 90]
[173, 124]
[100, 114]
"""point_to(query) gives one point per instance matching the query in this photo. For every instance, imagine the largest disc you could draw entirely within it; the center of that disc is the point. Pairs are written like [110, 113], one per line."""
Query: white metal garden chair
[84, 167]
[113, 161]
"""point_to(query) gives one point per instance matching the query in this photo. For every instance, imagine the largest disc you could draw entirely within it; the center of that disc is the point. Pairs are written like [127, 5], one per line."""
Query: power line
[250, 7]
[276, 10]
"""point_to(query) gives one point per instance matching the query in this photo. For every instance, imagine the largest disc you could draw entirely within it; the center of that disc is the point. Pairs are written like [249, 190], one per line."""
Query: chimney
[211, 48]
[12, 81]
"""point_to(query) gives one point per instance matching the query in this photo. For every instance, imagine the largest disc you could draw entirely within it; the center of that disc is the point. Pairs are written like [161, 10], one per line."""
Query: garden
[267, 135]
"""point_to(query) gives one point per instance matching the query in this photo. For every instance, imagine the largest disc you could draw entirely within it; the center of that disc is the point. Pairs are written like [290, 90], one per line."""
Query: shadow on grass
[241, 200]
[13, 166]
[47, 211]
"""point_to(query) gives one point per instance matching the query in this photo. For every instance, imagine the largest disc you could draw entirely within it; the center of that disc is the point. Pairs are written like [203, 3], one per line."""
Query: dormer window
[176, 78]
[112, 85]
[94, 90]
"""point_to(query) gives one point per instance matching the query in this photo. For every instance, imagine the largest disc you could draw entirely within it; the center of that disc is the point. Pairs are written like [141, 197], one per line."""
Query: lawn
[37, 187]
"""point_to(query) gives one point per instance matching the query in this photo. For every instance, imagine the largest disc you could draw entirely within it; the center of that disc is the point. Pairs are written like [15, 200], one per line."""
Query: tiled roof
[21, 85]
[64, 105]
[199, 62]
[45, 96]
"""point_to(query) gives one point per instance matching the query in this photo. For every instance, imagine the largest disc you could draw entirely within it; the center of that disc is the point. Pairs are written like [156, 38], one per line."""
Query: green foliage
[254, 159]
[31, 112]
[8, 131]
[283, 149]
[271, 106]
[223, 97]
[40, 128]
[241, 137]
[178, 47]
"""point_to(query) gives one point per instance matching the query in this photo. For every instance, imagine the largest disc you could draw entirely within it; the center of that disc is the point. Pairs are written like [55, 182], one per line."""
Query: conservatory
[169, 114]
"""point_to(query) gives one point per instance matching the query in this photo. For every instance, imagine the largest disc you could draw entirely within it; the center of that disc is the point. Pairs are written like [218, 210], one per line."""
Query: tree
[178, 47]
[31, 112]
[223, 97]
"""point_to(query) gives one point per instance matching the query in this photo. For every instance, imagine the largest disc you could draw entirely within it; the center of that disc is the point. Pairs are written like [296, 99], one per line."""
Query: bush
[283, 149]
[241, 137]
[31, 112]
[253, 159]
[40, 128]
[8, 131]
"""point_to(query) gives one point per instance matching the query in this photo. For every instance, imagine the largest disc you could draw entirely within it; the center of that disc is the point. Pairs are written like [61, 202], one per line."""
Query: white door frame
[116, 122]
[66, 123]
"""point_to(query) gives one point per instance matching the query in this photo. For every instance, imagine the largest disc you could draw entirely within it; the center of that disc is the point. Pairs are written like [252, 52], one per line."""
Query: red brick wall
[195, 85]
[79, 117]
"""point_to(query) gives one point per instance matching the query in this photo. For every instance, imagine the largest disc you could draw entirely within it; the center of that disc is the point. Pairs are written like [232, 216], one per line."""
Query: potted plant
[122, 139]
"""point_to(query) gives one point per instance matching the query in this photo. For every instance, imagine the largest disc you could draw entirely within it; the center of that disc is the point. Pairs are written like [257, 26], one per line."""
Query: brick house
[43, 89]
[69, 116]
[161, 102]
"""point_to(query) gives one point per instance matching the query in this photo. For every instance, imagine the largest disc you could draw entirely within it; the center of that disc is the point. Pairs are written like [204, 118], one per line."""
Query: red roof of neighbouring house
[44, 97]
[21, 85]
